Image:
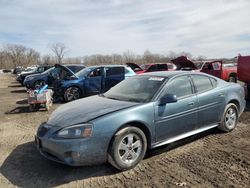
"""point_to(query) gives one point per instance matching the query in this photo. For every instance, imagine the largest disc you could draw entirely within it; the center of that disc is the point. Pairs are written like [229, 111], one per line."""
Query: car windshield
[136, 89]
[199, 65]
[47, 71]
[144, 66]
[84, 72]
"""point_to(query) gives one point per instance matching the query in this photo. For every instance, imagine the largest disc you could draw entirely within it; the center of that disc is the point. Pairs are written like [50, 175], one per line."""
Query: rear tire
[232, 79]
[230, 118]
[127, 148]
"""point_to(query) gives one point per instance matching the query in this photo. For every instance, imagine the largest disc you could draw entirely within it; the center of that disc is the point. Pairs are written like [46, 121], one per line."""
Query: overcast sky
[214, 28]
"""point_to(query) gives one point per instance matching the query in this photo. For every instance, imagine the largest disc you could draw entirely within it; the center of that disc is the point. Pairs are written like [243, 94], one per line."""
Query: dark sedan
[141, 112]
[58, 72]
[21, 77]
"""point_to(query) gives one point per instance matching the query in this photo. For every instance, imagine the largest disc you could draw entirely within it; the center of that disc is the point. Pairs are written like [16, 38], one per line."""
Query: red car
[244, 72]
[227, 72]
[153, 67]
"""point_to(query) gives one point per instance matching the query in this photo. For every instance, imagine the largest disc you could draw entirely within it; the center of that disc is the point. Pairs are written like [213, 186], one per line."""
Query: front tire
[232, 79]
[127, 148]
[38, 84]
[72, 93]
[230, 118]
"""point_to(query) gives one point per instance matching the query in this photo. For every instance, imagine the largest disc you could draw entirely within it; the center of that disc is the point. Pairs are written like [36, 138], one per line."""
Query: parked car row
[71, 82]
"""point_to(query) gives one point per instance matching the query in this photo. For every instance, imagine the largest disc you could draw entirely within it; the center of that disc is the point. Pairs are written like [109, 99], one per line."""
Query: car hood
[183, 62]
[34, 75]
[66, 69]
[134, 66]
[86, 109]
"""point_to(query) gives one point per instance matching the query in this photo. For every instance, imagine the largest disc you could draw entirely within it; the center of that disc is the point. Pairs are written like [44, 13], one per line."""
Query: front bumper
[72, 152]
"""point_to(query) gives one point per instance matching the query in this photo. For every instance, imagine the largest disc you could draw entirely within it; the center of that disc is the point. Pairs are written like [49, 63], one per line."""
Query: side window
[213, 81]
[78, 68]
[202, 83]
[180, 87]
[162, 67]
[207, 66]
[152, 68]
[216, 66]
[112, 71]
[40, 69]
[95, 73]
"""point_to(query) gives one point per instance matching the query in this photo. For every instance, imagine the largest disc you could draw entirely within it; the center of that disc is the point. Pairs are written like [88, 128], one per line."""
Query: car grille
[42, 131]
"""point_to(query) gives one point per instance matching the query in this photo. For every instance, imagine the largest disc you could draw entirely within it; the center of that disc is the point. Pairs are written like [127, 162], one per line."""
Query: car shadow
[23, 101]
[25, 167]
[185, 141]
[15, 86]
[247, 109]
[19, 91]
[19, 110]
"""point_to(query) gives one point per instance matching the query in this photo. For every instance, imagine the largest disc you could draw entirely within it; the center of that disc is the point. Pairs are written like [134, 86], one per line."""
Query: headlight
[75, 131]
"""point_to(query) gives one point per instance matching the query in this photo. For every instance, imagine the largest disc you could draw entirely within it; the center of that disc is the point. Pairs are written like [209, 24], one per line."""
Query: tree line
[12, 55]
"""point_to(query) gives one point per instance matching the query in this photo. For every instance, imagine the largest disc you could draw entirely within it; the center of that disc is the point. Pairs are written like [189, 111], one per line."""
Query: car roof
[95, 66]
[73, 65]
[170, 74]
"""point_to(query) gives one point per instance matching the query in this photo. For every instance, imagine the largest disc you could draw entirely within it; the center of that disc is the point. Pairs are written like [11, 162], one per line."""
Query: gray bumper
[72, 152]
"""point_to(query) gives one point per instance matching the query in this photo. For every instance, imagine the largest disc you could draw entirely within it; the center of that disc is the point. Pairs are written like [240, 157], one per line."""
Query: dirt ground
[210, 159]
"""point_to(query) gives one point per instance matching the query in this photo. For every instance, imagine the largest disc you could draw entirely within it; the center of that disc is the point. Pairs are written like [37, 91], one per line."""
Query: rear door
[113, 75]
[210, 100]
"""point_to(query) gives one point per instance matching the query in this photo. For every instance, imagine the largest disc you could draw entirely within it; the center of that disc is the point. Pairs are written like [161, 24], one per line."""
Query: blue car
[139, 113]
[93, 80]
[58, 72]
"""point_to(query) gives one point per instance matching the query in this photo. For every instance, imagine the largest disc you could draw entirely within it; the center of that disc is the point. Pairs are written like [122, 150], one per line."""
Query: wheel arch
[138, 125]
[235, 102]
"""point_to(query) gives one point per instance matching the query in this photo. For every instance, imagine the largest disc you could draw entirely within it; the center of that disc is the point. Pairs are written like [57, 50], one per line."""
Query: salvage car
[243, 66]
[93, 80]
[51, 75]
[20, 78]
[213, 67]
[140, 113]
[151, 67]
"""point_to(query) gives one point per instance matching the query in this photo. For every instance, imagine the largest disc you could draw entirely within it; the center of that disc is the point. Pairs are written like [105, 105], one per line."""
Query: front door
[177, 118]
[94, 81]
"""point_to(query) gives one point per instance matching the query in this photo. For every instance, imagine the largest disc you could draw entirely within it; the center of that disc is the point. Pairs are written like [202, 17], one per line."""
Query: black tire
[72, 93]
[232, 79]
[230, 118]
[39, 83]
[124, 153]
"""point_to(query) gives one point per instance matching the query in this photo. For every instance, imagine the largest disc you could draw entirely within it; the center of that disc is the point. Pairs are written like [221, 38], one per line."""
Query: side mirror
[168, 98]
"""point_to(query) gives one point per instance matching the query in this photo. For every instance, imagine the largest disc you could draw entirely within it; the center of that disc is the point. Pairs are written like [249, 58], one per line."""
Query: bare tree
[16, 53]
[59, 49]
[129, 56]
[32, 57]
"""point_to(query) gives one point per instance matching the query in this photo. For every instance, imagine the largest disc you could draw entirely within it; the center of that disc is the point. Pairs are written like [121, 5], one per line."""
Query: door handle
[221, 95]
[191, 103]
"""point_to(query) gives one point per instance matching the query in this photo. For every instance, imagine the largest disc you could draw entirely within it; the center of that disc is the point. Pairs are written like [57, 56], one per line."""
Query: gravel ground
[210, 159]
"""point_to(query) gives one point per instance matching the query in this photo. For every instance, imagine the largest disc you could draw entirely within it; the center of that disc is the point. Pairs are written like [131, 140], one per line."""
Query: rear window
[111, 71]
[202, 83]
[162, 67]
